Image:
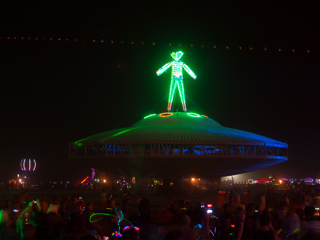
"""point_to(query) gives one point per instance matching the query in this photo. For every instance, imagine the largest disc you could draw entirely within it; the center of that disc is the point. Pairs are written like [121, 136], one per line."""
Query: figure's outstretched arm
[164, 68]
[189, 71]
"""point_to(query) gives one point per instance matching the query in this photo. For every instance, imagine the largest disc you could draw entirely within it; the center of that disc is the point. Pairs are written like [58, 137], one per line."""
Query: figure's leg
[182, 95]
[173, 86]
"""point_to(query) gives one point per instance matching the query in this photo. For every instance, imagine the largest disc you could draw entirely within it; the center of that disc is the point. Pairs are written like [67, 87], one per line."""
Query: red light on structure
[222, 192]
[232, 225]
[15, 182]
[9, 181]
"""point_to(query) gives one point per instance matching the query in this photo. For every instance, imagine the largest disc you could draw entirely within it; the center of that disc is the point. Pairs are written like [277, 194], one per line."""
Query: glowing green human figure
[177, 78]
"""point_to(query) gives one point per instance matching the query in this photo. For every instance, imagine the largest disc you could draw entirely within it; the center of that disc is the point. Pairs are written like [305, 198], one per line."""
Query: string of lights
[141, 43]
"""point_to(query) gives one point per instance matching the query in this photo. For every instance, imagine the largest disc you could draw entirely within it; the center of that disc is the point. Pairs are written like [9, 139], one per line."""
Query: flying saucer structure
[179, 144]
[182, 144]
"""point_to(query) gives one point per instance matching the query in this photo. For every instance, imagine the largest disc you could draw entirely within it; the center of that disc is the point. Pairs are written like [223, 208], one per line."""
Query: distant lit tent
[308, 180]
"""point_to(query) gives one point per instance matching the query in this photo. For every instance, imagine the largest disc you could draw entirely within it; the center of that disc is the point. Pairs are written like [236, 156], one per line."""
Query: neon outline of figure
[177, 78]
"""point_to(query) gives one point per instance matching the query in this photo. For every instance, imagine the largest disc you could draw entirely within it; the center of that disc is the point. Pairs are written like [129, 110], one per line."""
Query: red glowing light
[209, 205]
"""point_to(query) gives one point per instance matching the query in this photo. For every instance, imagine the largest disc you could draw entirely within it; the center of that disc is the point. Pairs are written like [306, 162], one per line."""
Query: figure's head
[176, 55]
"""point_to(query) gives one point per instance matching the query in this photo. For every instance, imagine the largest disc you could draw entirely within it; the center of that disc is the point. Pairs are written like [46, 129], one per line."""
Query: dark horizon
[56, 92]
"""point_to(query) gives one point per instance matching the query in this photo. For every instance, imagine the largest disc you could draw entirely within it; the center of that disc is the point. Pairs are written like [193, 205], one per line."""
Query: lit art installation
[28, 165]
[177, 78]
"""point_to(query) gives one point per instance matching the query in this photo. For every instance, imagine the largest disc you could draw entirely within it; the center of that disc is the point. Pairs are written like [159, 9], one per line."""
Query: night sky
[55, 92]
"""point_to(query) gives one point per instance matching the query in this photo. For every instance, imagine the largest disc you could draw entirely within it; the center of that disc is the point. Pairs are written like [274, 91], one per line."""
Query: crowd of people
[232, 215]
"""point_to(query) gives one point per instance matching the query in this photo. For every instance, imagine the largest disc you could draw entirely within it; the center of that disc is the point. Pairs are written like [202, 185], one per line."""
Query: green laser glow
[149, 116]
[119, 133]
[193, 114]
[106, 214]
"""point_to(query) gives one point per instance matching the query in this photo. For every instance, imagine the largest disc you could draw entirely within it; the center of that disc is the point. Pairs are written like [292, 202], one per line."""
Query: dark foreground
[243, 212]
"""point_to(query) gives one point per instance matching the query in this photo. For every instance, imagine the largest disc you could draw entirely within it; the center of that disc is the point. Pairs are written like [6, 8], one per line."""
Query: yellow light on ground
[192, 179]
[104, 180]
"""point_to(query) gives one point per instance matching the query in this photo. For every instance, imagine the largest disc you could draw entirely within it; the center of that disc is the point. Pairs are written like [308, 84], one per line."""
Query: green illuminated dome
[193, 144]
[178, 127]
